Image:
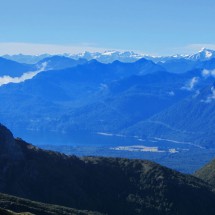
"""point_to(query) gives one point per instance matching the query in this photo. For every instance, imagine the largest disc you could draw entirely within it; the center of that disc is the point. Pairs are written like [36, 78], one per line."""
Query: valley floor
[181, 156]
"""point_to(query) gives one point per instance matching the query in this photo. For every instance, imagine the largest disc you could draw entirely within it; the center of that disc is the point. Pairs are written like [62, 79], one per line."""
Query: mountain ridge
[107, 185]
[110, 56]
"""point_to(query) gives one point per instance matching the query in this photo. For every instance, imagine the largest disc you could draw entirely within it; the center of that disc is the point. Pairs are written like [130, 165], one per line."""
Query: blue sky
[158, 27]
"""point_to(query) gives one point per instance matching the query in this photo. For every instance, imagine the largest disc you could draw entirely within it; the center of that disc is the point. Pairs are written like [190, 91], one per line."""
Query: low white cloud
[37, 49]
[103, 86]
[211, 97]
[171, 93]
[208, 73]
[197, 92]
[191, 84]
[26, 76]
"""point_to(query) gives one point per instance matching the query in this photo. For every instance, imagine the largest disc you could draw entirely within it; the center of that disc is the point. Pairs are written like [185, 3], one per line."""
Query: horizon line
[37, 49]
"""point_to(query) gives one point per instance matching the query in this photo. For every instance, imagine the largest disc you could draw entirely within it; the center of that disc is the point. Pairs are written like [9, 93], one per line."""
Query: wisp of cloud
[26, 76]
[191, 84]
[211, 97]
[208, 73]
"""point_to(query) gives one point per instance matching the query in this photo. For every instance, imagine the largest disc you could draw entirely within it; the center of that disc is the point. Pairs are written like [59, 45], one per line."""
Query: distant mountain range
[28, 59]
[69, 95]
[107, 185]
[167, 100]
[110, 56]
[12, 68]
[144, 98]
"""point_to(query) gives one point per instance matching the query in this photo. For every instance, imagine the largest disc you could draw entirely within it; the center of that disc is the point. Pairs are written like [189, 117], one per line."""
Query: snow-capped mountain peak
[109, 56]
[203, 54]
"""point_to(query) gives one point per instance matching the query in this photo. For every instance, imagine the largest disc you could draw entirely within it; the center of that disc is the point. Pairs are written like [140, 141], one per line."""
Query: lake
[182, 156]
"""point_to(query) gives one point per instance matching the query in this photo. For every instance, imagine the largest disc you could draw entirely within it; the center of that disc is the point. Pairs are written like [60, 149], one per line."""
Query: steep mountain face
[8, 147]
[107, 185]
[202, 55]
[207, 173]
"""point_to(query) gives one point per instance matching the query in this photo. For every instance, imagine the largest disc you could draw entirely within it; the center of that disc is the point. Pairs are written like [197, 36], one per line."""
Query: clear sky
[158, 27]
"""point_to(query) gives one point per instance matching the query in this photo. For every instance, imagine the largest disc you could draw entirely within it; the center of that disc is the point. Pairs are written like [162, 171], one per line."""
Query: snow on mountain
[202, 55]
[130, 56]
[108, 56]
[112, 55]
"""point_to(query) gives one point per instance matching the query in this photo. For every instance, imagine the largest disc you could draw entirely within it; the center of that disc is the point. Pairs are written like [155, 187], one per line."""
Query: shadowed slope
[107, 185]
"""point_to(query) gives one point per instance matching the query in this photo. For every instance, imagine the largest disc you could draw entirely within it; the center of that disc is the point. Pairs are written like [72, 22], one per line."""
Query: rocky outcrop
[8, 147]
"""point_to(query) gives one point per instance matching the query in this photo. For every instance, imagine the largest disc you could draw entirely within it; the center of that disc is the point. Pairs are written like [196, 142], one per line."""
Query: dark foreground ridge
[10, 204]
[108, 185]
